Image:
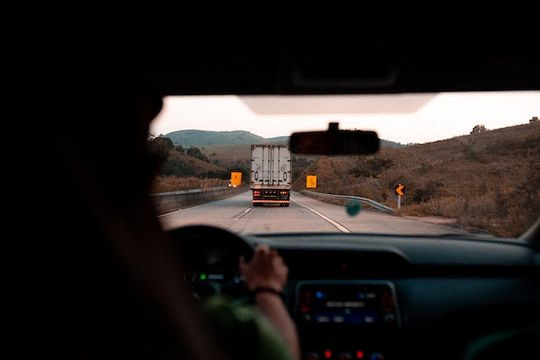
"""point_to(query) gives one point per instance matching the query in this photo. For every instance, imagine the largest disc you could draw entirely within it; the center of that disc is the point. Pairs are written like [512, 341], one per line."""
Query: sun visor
[337, 104]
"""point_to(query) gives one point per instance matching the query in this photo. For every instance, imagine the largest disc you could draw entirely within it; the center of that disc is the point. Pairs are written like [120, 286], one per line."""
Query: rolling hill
[198, 138]
[232, 148]
[489, 180]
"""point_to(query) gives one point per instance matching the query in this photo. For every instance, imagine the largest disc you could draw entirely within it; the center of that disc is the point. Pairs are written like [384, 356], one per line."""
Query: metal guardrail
[174, 200]
[363, 200]
[190, 191]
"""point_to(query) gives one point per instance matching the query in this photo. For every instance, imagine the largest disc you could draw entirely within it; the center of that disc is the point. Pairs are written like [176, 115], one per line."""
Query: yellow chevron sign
[236, 178]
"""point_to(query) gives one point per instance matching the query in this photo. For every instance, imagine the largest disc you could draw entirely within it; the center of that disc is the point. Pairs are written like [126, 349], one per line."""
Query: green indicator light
[203, 276]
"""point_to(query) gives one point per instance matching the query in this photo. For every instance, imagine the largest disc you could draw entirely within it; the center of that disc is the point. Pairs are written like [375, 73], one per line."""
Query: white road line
[179, 210]
[169, 213]
[242, 214]
[333, 222]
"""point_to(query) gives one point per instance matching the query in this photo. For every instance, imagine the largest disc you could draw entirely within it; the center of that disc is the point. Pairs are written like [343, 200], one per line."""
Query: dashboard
[370, 296]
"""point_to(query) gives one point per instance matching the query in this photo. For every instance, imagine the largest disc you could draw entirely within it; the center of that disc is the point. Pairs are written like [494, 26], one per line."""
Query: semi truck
[270, 174]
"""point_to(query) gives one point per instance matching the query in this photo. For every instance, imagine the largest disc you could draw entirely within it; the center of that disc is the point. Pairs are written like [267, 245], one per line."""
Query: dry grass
[489, 180]
[174, 183]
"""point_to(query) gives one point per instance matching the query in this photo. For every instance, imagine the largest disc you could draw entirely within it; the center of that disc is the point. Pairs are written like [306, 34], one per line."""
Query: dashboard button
[377, 356]
[345, 355]
[312, 355]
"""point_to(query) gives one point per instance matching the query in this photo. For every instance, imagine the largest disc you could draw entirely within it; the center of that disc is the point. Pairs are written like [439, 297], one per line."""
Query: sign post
[400, 191]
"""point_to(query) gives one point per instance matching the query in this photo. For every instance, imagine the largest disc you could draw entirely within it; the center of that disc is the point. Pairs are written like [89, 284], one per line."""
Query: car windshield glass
[449, 163]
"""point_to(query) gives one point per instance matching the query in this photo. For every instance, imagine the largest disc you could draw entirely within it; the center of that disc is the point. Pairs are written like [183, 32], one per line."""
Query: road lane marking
[242, 214]
[331, 221]
[169, 213]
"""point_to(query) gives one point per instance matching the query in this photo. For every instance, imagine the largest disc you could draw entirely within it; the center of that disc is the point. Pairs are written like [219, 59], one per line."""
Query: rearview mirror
[334, 142]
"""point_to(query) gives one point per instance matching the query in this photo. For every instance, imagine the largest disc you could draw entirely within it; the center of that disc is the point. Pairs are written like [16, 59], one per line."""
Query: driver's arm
[267, 270]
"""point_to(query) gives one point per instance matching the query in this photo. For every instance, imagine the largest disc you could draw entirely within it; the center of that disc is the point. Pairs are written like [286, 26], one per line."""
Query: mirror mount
[333, 127]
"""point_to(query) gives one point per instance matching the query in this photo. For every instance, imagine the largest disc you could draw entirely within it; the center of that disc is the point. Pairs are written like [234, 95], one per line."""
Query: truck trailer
[270, 174]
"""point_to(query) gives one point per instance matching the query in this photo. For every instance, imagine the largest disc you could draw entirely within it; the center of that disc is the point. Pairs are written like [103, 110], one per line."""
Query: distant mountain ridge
[204, 137]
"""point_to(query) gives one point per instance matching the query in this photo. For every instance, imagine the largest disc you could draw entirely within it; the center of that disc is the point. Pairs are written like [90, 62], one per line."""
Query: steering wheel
[213, 253]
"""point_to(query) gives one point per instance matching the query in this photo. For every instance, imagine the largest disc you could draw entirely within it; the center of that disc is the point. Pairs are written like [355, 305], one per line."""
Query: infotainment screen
[367, 304]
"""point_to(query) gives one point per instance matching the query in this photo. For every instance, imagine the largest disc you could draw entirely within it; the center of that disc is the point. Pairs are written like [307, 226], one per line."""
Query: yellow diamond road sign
[311, 182]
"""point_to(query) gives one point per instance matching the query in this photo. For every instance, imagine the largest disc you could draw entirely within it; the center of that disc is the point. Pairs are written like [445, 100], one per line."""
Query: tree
[160, 146]
[478, 129]
[180, 149]
[197, 153]
[533, 120]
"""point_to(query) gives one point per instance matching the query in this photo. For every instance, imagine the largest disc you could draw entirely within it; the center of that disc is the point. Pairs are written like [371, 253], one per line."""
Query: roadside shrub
[478, 129]
[219, 174]
[371, 167]
[174, 167]
[174, 183]
[377, 165]
[359, 172]
[160, 147]
[472, 154]
[426, 192]
[197, 153]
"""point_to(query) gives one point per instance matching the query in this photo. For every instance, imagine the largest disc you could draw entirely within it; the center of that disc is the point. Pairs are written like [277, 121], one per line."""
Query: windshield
[449, 163]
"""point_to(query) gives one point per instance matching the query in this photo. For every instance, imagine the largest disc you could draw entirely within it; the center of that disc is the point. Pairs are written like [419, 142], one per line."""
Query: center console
[341, 320]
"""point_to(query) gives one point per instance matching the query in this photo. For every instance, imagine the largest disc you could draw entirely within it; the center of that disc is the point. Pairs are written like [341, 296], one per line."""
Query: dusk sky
[411, 118]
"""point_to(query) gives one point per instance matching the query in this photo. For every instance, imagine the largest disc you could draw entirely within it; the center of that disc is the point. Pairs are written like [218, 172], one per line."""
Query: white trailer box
[271, 174]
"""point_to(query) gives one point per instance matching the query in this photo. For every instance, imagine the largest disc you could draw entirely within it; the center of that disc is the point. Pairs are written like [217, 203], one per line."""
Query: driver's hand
[266, 269]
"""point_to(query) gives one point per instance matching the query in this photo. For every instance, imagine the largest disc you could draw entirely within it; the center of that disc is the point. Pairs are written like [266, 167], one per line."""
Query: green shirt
[246, 332]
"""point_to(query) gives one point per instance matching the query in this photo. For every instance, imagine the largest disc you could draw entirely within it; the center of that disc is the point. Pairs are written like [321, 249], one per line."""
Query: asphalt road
[303, 215]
